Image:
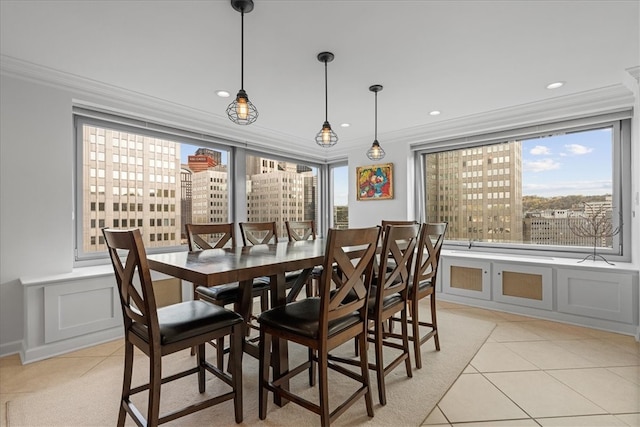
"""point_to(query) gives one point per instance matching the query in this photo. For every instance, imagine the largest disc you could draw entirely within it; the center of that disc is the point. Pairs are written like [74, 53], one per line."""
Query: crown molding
[94, 94]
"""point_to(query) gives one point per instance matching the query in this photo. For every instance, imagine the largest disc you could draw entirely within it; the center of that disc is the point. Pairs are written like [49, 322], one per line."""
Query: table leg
[245, 309]
[279, 348]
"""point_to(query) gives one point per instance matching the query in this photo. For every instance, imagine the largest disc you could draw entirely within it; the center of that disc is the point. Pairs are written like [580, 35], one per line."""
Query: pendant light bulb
[326, 137]
[241, 111]
[375, 152]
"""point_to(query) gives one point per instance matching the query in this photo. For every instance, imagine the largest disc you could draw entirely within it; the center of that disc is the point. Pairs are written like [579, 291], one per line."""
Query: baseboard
[57, 348]
[7, 349]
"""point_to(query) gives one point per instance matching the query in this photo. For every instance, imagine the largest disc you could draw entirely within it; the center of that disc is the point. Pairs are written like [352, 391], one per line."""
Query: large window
[561, 191]
[280, 190]
[133, 178]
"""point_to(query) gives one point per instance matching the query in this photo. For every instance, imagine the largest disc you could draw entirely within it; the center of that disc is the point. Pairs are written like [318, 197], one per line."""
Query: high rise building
[478, 191]
[132, 181]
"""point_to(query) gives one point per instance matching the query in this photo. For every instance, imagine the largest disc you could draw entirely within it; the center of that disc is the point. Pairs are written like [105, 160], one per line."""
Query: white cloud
[540, 150]
[541, 165]
[577, 149]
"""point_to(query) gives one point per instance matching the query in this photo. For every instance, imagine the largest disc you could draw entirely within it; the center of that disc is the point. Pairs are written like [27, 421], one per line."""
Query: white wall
[367, 213]
[36, 180]
[37, 155]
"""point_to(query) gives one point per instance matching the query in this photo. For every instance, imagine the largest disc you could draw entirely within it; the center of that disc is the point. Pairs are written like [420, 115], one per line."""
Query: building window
[540, 193]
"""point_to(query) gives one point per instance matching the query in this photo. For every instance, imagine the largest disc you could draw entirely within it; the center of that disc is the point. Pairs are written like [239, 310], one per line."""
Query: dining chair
[388, 297]
[158, 332]
[423, 284]
[210, 236]
[260, 233]
[323, 323]
[305, 230]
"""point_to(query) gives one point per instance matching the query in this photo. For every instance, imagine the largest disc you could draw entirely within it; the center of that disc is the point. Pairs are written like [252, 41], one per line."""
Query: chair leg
[201, 370]
[364, 373]
[323, 387]
[382, 392]
[155, 382]
[235, 360]
[415, 327]
[220, 353]
[264, 349]
[126, 381]
[405, 341]
[312, 368]
[434, 321]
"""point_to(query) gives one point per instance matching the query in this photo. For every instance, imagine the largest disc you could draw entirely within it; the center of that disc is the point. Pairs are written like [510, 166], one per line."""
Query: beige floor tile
[473, 398]
[470, 370]
[556, 331]
[548, 355]
[541, 395]
[508, 332]
[512, 317]
[629, 419]
[496, 357]
[479, 313]
[505, 423]
[584, 421]
[612, 393]
[11, 360]
[106, 349]
[35, 376]
[600, 352]
[630, 373]
[436, 417]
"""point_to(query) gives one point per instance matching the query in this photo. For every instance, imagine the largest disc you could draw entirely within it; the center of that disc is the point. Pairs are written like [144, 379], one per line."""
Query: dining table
[214, 267]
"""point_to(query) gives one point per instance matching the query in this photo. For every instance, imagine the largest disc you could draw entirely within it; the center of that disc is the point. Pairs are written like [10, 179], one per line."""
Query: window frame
[237, 152]
[620, 123]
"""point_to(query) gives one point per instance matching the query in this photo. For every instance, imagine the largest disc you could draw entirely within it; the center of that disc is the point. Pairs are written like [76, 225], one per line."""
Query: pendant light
[326, 137]
[241, 111]
[375, 152]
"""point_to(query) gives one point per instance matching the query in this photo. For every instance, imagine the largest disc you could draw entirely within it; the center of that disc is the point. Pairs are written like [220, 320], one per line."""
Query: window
[160, 205]
[538, 192]
[340, 196]
[280, 190]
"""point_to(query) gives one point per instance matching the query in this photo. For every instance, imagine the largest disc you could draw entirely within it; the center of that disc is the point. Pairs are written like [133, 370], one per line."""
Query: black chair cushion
[421, 285]
[303, 317]
[189, 319]
[231, 291]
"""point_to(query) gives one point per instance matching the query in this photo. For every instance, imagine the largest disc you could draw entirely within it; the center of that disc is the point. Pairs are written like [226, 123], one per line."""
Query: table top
[218, 266]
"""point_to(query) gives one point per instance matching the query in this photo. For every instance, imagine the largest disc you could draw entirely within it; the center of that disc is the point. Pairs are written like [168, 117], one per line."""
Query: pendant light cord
[242, 50]
[326, 94]
[376, 118]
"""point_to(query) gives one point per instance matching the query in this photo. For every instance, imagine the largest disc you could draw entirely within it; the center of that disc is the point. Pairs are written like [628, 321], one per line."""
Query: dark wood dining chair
[158, 332]
[258, 233]
[322, 324]
[210, 236]
[261, 233]
[305, 230]
[423, 284]
[389, 295]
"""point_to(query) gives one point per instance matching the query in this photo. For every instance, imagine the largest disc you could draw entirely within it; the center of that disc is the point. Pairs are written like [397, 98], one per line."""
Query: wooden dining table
[213, 267]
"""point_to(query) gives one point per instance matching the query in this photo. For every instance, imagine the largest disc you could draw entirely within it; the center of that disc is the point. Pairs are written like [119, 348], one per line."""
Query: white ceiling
[459, 57]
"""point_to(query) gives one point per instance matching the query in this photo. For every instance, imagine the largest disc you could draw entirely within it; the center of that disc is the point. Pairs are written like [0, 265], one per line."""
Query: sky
[572, 164]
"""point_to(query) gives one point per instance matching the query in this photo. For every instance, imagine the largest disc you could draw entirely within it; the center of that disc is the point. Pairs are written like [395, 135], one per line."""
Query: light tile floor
[530, 372]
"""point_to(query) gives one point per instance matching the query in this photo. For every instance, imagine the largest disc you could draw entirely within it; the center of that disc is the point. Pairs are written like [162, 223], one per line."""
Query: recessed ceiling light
[345, 125]
[434, 113]
[555, 85]
[223, 93]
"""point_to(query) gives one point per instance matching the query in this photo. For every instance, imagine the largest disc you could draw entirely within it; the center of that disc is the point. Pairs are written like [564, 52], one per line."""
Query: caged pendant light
[375, 152]
[241, 111]
[326, 137]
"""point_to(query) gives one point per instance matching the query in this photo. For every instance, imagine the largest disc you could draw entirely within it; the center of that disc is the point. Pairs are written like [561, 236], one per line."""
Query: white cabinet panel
[604, 295]
[521, 284]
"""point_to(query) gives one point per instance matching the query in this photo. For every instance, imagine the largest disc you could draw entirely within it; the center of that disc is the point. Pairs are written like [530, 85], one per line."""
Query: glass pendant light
[241, 110]
[326, 137]
[376, 152]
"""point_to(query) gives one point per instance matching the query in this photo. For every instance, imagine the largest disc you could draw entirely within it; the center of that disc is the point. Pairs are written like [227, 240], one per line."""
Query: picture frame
[374, 182]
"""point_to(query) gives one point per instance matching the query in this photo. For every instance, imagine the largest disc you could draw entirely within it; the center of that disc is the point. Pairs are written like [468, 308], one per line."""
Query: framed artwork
[375, 182]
